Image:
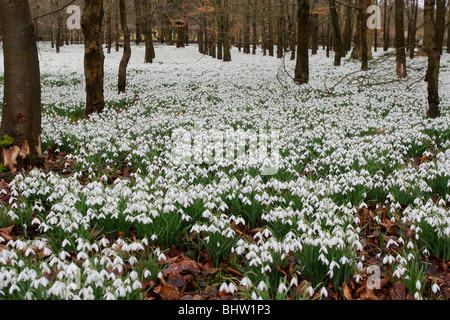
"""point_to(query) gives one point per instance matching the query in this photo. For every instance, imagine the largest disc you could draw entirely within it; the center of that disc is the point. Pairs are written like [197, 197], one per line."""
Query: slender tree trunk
[337, 44]
[279, 30]
[302, 63]
[126, 47]
[109, 32]
[400, 39]
[315, 33]
[270, 26]
[386, 27]
[364, 44]
[93, 55]
[432, 74]
[247, 27]
[348, 29]
[254, 28]
[226, 32]
[21, 114]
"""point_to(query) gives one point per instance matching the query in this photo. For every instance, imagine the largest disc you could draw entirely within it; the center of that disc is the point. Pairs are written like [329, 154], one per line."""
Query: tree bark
[433, 53]
[400, 53]
[93, 55]
[126, 47]
[337, 43]
[348, 29]
[363, 31]
[226, 33]
[439, 24]
[386, 27]
[302, 63]
[21, 115]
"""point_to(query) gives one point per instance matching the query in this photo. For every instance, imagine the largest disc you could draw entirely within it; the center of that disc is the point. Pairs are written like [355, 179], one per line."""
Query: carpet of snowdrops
[355, 152]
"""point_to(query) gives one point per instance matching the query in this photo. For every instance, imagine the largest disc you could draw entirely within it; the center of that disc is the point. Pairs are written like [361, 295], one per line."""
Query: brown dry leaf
[208, 269]
[235, 272]
[186, 265]
[175, 279]
[346, 291]
[5, 233]
[281, 270]
[398, 291]
[167, 291]
[368, 294]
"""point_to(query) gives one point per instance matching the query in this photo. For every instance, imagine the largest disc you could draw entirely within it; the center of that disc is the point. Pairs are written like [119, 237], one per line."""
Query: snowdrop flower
[262, 286]
[435, 288]
[418, 285]
[245, 282]
[324, 292]
[282, 288]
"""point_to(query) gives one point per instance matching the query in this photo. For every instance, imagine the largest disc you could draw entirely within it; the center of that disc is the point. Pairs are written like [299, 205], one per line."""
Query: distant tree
[21, 114]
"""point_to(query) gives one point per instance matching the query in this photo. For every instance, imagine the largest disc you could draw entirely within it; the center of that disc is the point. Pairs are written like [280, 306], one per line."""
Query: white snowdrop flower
[294, 282]
[323, 292]
[160, 275]
[435, 288]
[417, 296]
[65, 243]
[262, 286]
[282, 288]
[418, 285]
[13, 288]
[391, 242]
[245, 282]
[147, 274]
[310, 290]
[137, 285]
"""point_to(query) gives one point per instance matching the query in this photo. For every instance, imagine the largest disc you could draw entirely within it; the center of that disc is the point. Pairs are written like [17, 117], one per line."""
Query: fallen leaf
[346, 291]
[398, 291]
[167, 291]
[5, 233]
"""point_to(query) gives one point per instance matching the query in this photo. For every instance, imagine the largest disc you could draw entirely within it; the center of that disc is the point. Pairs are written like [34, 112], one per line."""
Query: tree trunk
[93, 55]
[181, 28]
[337, 43]
[348, 29]
[280, 30]
[314, 34]
[364, 44]
[21, 115]
[126, 47]
[247, 28]
[254, 29]
[439, 24]
[386, 27]
[109, 32]
[400, 53]
[448, 32]
[302, 63]
[226, 33]
[432, 74]
[270, 27]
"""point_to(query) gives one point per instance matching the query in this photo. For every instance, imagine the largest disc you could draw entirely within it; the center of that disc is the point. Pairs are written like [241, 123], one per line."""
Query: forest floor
[338, 189]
